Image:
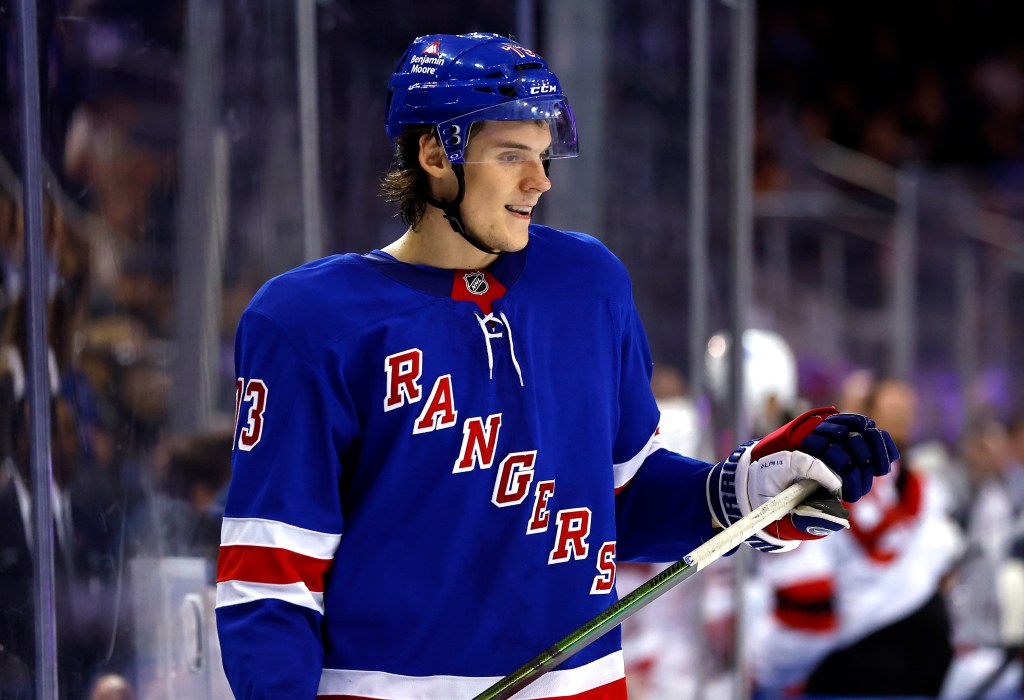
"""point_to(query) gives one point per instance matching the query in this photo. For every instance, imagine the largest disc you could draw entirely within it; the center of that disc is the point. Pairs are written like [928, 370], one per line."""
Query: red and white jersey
[830, 594]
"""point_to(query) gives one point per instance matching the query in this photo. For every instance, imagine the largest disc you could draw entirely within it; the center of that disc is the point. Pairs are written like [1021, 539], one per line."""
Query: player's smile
[520, 212]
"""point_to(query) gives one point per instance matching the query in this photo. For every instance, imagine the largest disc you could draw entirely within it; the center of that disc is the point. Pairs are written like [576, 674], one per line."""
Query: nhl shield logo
[476, 283]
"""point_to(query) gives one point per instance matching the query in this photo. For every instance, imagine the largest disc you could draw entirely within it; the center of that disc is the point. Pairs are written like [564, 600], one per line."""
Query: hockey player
[443, 447]
[872, 598]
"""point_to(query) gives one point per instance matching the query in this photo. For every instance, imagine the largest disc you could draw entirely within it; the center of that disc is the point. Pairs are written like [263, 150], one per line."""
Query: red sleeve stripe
[270, 565]
[808, 592]
[624, 471]
[807, 621]
[807, 606]
[261, 532]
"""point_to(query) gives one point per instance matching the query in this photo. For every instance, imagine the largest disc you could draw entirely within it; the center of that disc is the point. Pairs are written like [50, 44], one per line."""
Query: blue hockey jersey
[436, 471]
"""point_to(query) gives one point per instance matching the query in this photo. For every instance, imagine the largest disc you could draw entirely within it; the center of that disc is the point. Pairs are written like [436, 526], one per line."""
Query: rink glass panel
[194, 149]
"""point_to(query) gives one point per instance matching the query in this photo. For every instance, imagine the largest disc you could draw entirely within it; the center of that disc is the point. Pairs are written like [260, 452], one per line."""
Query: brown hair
[406, 184]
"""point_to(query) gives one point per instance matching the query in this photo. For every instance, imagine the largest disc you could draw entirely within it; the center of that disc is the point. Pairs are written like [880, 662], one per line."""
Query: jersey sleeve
[661, 507]
[283, 519]
[663, 513]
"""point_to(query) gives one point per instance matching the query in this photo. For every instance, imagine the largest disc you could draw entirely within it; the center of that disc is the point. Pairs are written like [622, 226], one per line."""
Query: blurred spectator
[901, 85]
[66, 284]
[16, 677]
[112, 687]
[995, 480]
[14, 367]
[1017, 445]
[144, 291]
[118, 173]
[11, 253]
[144, 396]
[85, 531]
[882, 628]
[988, 663]
[661, 643]
[184, 514]
[1015, 472]
[681, 425]
[63, 247]
[87, 515]
[122, 178]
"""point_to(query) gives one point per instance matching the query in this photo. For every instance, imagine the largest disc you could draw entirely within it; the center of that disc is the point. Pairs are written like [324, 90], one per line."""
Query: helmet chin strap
[452, 212]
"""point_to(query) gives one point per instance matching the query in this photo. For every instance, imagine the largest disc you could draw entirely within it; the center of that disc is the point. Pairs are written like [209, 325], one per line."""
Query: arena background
[847, 177]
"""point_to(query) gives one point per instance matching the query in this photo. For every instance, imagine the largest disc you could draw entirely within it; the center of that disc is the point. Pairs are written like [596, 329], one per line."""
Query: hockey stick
[649, 591]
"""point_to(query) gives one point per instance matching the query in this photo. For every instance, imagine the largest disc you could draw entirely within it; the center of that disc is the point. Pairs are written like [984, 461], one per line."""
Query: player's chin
[516, 241]
[509, 239]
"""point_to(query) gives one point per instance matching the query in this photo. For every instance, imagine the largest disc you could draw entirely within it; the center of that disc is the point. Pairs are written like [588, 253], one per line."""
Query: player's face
[505, 182]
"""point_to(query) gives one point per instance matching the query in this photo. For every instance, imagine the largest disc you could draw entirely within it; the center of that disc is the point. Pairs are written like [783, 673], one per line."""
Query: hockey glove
[842, 452]
[854, 448]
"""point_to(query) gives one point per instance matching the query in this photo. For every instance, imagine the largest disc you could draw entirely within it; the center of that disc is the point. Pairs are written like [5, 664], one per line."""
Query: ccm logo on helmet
[543, 89]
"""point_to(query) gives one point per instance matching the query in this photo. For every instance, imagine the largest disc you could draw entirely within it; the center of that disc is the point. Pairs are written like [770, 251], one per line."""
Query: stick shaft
[649, 591]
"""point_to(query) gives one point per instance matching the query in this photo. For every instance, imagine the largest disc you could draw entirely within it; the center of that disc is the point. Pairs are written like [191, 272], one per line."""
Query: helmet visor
[457, 134]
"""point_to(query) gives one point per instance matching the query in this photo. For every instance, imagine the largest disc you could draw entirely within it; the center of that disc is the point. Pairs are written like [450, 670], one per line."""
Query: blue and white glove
[841, 451]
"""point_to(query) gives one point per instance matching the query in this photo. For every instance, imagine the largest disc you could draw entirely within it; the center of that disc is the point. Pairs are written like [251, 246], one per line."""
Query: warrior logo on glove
[843, 452]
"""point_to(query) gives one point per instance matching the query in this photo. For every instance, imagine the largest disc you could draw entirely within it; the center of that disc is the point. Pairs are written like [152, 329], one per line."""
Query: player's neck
[433, 242]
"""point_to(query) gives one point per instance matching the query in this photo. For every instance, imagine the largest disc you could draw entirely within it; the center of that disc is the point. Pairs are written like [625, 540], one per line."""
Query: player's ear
[432, 157]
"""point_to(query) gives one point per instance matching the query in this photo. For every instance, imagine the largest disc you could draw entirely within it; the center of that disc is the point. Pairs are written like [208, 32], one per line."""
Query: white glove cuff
[769, 476]
[743, 500]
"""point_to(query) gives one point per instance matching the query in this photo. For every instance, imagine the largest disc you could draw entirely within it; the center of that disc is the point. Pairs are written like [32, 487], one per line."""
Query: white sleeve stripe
[272, 533]
[627, 470]
[237, 592]
[560, 683]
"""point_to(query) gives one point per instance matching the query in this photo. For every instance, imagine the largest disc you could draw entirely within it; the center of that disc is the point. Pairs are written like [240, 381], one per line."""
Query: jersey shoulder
[578, 261]
[323, 299]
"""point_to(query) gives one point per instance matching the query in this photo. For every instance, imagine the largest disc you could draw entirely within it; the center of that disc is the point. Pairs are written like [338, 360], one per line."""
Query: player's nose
[535, 177]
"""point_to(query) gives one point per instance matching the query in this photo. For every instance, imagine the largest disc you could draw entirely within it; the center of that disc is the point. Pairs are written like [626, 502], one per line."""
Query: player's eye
[511, 157]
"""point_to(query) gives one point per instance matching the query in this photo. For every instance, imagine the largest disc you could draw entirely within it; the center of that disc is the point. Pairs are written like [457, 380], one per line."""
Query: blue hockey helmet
[452, 81]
